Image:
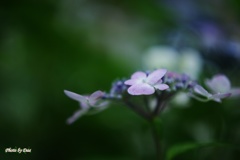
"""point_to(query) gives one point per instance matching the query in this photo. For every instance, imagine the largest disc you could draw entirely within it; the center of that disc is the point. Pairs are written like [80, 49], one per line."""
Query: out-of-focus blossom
[161, 57]
[202, 132]
[190, 62]
[186, 60]
[86, 103]
[143, 84]
[210, 33]
[181, 99]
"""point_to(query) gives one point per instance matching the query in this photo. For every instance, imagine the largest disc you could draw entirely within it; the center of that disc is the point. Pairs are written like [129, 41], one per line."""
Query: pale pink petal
[94, 97]
[76, 115]
[138, 75]
[132, 81]
[161, 86]
[141, 89]
[155, 76]
[219, 84]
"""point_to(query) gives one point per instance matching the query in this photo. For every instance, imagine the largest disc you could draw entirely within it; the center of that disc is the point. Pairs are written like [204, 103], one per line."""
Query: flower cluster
[159, 85]
[145, 84]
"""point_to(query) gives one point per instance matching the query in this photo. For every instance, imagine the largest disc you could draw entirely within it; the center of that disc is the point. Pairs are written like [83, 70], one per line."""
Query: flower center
[144, 81]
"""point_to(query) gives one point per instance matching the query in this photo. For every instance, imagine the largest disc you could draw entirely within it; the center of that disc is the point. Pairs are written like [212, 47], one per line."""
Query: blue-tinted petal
[200, 90]
[74, 96]
[83, 100]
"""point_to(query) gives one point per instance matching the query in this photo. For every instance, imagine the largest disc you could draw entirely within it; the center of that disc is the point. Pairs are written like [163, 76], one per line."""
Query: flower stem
[161, 103]
[156, 130]
[137, 110]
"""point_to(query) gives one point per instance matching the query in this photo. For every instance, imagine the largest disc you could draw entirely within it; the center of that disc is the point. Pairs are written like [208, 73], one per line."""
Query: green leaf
[184, 147]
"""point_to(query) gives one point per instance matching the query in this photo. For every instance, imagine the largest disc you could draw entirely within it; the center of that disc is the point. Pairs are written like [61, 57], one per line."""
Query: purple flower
[86, 103]
[143, 84]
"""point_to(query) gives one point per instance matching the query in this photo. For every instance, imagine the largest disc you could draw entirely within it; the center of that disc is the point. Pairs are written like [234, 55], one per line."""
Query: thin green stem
[158, 105]
[155, 126]
[156, 138]
[161, 103]
[152, 117]
[137, 109]
[146, 104]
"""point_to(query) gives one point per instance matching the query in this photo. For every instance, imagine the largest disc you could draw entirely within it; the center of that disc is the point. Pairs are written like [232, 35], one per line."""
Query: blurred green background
[82, 46]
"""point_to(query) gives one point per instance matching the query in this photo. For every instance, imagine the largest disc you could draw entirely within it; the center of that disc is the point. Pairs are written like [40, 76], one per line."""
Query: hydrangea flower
[143, 84]
[149, 107]
[169, 85]
[86, 103]
[185, 60]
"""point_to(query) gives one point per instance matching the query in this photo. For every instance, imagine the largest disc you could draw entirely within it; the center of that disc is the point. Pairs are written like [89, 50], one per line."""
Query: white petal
[200, 90]
[83, 100]
[76, 115]
[161, 86]
[155, 76]
[141, 89]
[75, 96]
